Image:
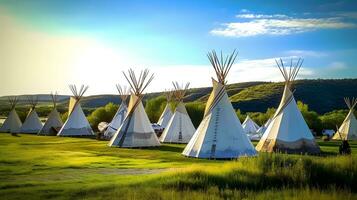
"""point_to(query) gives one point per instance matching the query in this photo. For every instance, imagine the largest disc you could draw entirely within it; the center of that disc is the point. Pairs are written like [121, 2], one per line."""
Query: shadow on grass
[169, 148]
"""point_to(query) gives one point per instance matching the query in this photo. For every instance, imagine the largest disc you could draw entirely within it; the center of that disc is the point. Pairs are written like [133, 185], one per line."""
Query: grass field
[40, 167]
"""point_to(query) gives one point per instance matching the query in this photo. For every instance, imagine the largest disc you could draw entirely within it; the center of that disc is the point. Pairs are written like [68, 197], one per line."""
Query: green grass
[39, 167]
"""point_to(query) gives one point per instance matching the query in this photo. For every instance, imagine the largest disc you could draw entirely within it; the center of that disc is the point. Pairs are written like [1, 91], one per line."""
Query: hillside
[322, 95]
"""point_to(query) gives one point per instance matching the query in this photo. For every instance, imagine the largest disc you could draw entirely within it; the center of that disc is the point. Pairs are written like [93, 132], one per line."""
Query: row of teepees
[220, 134]
[75, 125]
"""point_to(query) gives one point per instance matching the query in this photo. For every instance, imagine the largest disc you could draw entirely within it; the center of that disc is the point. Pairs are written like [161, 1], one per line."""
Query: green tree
[195, 110]
[154, 107]
[332, 119]
[64, 116]
[102, 114]
[311, 117]
[240, 115]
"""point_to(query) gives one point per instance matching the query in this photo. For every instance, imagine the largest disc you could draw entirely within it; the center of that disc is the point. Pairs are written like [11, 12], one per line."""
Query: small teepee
[12, 124]
[249, 126]
[264, 127]
[288, 131]
[136, 129]
[167, 113]
[54, 122]
[32, 122]
[348, 129]
[180, 128]
[220, 134]
[120, 114]
[76, 123]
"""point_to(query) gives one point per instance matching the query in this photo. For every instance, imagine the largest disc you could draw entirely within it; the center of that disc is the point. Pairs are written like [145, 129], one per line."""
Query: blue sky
[171, 38]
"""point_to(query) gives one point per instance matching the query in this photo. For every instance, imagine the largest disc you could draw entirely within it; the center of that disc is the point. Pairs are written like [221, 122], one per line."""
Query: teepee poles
[123, 92]
[221, 65]
[180, 90]
[12, 101]
[54, 98]
[33, 101]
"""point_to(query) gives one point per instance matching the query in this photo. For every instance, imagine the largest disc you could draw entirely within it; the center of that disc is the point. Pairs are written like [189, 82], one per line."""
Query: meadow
[41, 167]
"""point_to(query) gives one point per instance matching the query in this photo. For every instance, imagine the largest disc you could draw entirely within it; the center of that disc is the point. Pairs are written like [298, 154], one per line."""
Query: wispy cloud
[306, 53]
[336, 66]
[251, 24]
[260, 16]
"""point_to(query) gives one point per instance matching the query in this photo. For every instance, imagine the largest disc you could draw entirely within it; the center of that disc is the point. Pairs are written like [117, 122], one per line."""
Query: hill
[322, 95]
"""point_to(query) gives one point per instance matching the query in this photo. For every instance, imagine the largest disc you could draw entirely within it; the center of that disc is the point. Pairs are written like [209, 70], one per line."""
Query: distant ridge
[322, 95]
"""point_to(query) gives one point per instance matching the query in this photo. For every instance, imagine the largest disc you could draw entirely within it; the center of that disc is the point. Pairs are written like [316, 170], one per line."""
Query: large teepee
[32, 122]
[220, 134]
[167, 113]
[288, 131]
[136, 130]
[348, 129]
[12, 124]
[54, 121]
[76, 123]
[249, 126]
[180, 128]
[120, 114]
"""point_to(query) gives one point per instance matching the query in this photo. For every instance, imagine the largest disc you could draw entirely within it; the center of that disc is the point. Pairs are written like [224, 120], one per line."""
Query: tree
[332, 119]
[311, 117]
[240, 116]
[196, 111]
[102, 114]
[154, 107]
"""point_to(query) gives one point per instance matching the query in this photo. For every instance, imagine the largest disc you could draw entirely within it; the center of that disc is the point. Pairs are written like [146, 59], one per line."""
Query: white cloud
[352, 15]
[336, 66]
[244, 10]
[306, 53]
[278, 24]
[260, 16]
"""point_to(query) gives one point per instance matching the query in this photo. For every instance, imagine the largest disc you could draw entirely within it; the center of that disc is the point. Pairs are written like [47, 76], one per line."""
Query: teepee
[54, 122]
[220, 134]
[136, 129]
[264, 127]
[32, 122]
[120, 114]
[167, 113]
[180, 128]
[12, 124]
[288, 131]
[76, 123]
[348, 129]
[249, 126]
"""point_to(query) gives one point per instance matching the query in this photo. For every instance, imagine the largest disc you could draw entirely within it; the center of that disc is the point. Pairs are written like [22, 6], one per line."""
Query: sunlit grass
[34, 167]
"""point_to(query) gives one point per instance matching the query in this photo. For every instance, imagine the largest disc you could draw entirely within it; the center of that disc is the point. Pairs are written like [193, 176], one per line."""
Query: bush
[332, 119]
[312, 118]
[196, 111]
[102, 114]
[154, 107]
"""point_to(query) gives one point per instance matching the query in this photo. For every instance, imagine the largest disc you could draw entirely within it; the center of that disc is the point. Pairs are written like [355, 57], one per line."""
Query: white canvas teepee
[262, 129]
[180, 128]
[288, 131]
[119, 116]
[220, 134]
[249, 126]
[54, 122]
[32, 122]
[76, 123]
[12, 124]
[348, 129]
[136, 130]
[167, 113]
